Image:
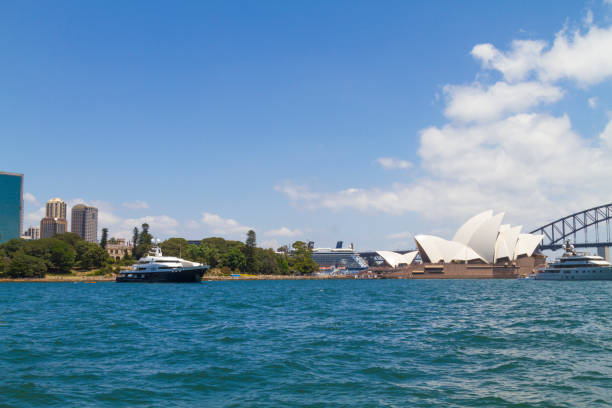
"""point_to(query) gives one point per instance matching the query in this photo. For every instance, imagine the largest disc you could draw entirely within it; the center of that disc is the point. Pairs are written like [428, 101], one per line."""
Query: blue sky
[318, 121]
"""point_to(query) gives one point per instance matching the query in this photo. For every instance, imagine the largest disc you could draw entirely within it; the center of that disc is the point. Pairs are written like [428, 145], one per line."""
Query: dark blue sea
[394, 343]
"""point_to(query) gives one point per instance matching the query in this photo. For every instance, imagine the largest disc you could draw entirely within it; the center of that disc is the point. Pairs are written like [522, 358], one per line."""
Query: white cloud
[497, 151]
[29, 198]
[224, 226]
[581, 57]
[295, 192]
[390, 163]
[33, 218]
[522, 164]
[400, 235]
[160, 222]
[192, 224]
[606, 135]
[593, 101]
[270, 243]
[588, 18]
[136, 205]
[514, 65]
[283, 232]
[474, 102]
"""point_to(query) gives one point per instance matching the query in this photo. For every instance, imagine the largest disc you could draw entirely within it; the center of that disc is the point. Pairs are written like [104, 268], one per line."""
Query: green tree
[58, 255]
[112, 240]
[104, 238]
[283, 264]
[221, 244]
[202, 253]
[144, 243]
[266, 262]
[62, 256]
[69, 237]
[212, 256]
[26, 266]
[250, 252]
[301, 262]
[135, 237]
[234, 259]
[175, 247]
[4, 261]
[12, 246]
[90, 255]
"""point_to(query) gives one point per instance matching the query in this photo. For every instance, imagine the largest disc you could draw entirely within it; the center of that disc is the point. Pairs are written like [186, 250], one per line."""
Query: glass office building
[11, 206]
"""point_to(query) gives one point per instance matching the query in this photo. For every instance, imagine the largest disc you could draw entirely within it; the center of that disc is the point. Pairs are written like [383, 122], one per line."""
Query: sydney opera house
[483, 247]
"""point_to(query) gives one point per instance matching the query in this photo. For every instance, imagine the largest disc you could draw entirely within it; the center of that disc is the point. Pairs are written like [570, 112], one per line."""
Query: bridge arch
[556, 232]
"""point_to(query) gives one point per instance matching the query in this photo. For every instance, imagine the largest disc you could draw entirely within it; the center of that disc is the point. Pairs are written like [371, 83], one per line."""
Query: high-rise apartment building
[56, 208]
[49, 226]
[55, 219]
[84, 222]
[11, 206]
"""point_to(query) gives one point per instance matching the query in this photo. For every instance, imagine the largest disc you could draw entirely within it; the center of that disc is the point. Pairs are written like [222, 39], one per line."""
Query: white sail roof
[395, 259]
[467, 230]
[527, 244]
[506, 242]
[481, 237]
[441, 250]
[484, 237]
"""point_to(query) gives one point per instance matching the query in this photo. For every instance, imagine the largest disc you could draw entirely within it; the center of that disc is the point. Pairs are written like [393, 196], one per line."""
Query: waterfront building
[119, 249]
[50, 226]
[482, 239]
[11, 206]
[84, 222]
[32, 233]
[56, 208]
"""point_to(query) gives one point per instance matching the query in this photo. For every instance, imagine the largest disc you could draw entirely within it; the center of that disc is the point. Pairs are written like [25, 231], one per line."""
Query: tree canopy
[243, 257]
[58, 254]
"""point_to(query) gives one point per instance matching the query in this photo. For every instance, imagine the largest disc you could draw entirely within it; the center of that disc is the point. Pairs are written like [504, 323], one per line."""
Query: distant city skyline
[359, 121]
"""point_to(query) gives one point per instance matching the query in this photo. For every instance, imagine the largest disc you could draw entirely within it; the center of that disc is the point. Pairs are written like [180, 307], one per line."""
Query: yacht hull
[183, 275]
[594, 274]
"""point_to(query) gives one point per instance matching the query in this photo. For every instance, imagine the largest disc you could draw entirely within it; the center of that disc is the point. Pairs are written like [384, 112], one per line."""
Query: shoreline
[100, 278]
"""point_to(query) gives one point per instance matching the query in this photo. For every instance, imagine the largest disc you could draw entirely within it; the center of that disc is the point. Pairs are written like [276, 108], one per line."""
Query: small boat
[154, 267]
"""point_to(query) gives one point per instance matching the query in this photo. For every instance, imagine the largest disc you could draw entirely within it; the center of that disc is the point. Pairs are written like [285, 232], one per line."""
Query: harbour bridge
[585, 229]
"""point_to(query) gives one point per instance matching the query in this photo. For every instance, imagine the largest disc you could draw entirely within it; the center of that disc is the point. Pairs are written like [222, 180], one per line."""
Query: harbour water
[451, 343]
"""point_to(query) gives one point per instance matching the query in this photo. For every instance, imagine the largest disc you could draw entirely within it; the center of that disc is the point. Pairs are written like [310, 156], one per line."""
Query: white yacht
[154, 267]
[576, 266]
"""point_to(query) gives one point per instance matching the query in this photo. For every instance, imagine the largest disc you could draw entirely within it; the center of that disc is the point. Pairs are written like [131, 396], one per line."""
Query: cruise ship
[576, 266]
[154, 267]
[339, 258]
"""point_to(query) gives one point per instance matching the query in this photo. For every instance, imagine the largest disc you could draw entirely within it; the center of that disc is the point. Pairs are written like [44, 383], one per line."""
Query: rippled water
[417, 343]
